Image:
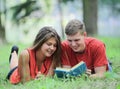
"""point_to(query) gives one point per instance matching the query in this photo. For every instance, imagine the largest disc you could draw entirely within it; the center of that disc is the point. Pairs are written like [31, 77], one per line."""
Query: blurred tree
[61, 17]
[2, 21]
[89, 15]
[90, 9]
[23, 10]
[59, 7]
[114, 5]
[20, 12]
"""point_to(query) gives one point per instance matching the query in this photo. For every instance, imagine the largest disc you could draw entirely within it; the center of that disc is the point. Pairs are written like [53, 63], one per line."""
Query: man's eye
[69, 40]
[77, 40]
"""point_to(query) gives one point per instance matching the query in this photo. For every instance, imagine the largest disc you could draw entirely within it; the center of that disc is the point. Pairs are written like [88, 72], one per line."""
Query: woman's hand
[38, 75]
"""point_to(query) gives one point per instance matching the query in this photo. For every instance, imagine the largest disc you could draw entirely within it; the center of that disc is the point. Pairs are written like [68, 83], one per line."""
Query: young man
[78, 47]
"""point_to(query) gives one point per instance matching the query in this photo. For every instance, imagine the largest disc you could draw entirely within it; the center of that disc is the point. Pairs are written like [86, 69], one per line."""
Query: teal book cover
[76, 70]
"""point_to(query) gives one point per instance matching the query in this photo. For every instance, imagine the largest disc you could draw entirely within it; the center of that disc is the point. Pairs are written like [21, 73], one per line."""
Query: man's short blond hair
[74, 26]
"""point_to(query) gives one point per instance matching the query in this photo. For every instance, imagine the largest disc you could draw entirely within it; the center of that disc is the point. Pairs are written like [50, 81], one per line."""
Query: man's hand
[99, 72]
[88, 72]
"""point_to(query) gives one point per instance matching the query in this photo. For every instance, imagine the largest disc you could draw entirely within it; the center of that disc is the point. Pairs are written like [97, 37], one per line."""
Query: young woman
[40, 59]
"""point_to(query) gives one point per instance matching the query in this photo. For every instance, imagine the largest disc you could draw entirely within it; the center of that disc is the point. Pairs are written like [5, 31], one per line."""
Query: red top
[33, 67]
[15, 77]
[94, 54]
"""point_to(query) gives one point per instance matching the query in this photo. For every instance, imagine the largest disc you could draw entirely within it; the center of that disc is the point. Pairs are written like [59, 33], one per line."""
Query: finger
[88, 72]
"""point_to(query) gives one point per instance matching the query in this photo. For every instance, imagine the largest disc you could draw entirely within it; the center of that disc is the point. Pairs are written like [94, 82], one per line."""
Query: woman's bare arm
[23, 66]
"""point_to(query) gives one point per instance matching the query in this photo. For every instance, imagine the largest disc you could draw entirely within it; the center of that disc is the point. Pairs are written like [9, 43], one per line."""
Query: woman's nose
[52, 47]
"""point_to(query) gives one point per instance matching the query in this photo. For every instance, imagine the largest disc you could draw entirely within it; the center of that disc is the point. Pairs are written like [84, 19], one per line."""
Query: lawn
[112, 80]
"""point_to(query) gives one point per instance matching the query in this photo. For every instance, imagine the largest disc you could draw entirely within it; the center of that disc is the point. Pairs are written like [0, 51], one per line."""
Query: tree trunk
[2, 23]
[2, 32]
[90, 16]
[61, 17]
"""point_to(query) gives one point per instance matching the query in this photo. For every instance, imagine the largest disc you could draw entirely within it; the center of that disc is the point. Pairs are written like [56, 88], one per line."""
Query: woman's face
[49, 47]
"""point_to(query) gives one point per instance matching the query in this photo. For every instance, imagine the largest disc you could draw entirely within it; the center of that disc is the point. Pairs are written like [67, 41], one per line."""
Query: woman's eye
[49, 44]
[55, 45]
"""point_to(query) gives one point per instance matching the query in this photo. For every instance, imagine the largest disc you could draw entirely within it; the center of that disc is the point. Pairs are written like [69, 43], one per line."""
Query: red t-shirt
[15, 77]
[94, 54]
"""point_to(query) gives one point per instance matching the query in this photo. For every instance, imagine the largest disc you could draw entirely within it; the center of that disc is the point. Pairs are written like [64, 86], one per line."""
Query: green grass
[111, 82]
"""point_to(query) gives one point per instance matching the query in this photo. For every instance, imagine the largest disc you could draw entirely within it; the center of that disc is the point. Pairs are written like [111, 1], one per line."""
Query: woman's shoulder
[24, 55]
[24, 52]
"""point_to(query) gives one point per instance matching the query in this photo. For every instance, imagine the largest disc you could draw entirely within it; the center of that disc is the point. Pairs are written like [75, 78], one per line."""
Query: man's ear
[85, 34]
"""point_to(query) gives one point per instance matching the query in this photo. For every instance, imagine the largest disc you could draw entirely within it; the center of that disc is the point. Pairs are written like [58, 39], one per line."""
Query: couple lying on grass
[48, 52]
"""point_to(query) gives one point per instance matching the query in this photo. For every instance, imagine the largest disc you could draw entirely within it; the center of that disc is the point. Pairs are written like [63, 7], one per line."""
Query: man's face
[76, 42]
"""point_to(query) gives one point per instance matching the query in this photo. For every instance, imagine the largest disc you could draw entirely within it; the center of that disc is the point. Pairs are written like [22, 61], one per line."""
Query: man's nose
[73, 43]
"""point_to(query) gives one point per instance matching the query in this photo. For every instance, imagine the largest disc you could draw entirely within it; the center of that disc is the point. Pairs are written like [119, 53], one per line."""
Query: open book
[76, 70]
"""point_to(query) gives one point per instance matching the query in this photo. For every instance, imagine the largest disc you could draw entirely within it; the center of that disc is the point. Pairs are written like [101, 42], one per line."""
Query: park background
[20, 20]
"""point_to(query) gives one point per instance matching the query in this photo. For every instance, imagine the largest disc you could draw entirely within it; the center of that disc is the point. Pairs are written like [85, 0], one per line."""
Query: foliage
[23, 10]
[113, 4]
[110, 1]
[65, 1]
[48, 5]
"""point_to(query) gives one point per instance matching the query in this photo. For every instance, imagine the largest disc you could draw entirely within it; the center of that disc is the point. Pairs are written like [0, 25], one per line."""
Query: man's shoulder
[65, 43]
[65, 46]
[93, 41]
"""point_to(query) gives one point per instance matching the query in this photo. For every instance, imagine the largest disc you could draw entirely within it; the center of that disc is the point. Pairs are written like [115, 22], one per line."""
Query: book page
[77, 65]
[62, 69]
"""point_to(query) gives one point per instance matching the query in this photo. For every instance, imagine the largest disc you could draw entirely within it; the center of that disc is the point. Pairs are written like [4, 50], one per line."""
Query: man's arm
[99, 72]
[100, 61]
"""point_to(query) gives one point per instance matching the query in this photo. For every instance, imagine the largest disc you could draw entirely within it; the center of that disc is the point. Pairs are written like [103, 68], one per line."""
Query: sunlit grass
[111, 82]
